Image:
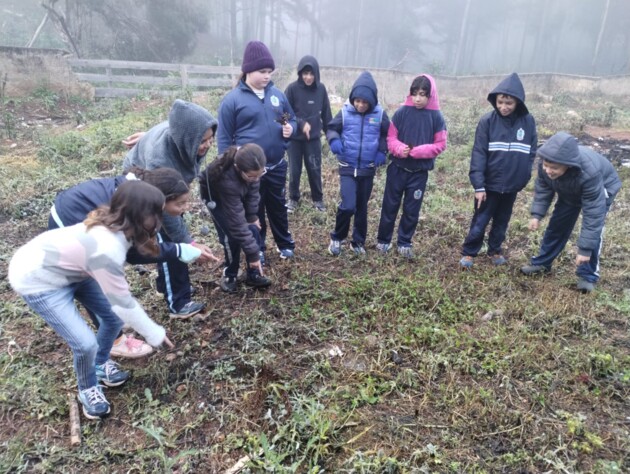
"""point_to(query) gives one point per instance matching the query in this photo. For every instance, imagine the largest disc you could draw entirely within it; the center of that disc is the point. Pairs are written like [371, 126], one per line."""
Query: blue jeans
[60, 312]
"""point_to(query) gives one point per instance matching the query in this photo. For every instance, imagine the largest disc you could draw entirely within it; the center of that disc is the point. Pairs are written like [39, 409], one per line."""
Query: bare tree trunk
[61, 25]
[462, 35]
[357, 40]
[233, 32]
[37, 31]
[602, 28]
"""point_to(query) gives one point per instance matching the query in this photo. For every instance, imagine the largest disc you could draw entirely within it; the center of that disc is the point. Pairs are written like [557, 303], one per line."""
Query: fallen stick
[75, 421]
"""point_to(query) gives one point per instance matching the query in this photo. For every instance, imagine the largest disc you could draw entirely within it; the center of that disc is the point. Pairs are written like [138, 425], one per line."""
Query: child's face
[308, 77]
[554, 170]
[420, 99]
[259, 79]
[505, 104]
[206, 142]
[361, 105]
[176, 207]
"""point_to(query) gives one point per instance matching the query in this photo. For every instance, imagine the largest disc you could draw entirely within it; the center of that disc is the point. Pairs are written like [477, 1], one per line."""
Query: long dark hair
[247, 158]
[169, 181]
[136, 210]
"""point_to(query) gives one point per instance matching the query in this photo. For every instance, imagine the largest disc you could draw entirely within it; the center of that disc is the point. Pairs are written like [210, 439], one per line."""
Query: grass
[349, 365]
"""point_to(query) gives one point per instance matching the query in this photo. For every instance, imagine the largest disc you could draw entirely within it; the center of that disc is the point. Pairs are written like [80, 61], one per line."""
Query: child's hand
[533, 224]
[480, 197]
[167, 342]
[131, 140]
[581, 259]
[206, 253]
[306, 130]
[404, 153]
[287, 130]
[380, 159]
[257, 266]
[257, 224]
[336, 146]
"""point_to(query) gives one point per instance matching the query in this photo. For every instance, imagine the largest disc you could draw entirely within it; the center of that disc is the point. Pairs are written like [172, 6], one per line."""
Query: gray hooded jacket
[591, 183]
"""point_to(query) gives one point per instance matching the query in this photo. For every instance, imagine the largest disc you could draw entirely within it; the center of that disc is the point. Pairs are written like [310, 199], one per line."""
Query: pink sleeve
[394, 145]
[430, 150]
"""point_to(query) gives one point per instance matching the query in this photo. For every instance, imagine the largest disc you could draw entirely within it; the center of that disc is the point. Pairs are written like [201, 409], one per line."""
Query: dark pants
[498, 208]
[557, 235]
[309, 152]
[231, 247]
[173, 280]
[355, 194]
[273, 205]
[408, 187]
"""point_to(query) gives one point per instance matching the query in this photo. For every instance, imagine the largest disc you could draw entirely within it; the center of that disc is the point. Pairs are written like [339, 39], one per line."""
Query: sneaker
[228, 284]
[466, 262]
[286, 254]
[406, 252]
[129, 347]
[292, 205]
[358, 249]
[188, 310]
[334, 248]
[95, 405]
[498, 259]
[319, 205]
[110, 374]
[383, 248]
[534, 269]
[585, 286]
[255, 279]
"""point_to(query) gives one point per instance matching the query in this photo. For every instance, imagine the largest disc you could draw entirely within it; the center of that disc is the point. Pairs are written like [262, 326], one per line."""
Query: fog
[452, 37]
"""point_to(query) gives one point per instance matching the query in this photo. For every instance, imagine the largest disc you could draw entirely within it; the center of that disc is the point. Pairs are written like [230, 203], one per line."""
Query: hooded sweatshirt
[591, 183]
[505, 147]
[362, 135]
[423, 130]
[310, 103]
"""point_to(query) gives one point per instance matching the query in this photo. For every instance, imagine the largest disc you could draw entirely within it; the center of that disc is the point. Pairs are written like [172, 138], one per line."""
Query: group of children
[137, 217]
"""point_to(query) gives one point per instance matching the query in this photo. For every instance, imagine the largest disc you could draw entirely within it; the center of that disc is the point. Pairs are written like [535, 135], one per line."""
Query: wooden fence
[131, 78]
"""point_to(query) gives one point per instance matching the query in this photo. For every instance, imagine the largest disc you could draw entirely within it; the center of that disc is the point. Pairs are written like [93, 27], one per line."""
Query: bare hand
[533, 224]
[206, 253]
[480, 198]
[287, 130]
[167, 342]
[257, 224]
[131, 140]
[405, 152]
[581, 259]
[257, 266]
[306, 129]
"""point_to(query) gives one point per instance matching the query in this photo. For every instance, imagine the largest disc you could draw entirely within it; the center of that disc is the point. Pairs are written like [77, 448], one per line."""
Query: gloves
[336, 146]
[380, 159]
[188, 253]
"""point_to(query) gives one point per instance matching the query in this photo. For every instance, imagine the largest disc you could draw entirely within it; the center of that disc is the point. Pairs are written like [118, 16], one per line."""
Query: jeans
[408, 187]
[58, 309]
[355, 194]
[309, 152]
[498, 208]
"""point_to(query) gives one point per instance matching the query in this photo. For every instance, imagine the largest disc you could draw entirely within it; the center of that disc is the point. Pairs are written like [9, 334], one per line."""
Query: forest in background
[458, 37]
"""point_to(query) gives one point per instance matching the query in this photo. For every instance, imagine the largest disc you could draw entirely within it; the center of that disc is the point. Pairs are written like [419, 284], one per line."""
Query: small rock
[396, 359]
[171, 357]
[180, 388]
[180, 353]
[371, 341]
[205, 230]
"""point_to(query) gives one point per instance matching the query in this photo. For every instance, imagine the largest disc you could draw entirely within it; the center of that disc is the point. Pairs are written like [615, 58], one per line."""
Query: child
[74, 204]
[357, 135]
[500, 166]
[85, 262]
[255, 111]
[416, 136]
[309, 99]
[229, 187]
[584, 181]
[180, 143]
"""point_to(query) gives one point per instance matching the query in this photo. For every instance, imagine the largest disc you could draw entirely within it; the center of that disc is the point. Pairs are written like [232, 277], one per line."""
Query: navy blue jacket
[505, 147]
[244, 118]
[362, 135]
[591, 183]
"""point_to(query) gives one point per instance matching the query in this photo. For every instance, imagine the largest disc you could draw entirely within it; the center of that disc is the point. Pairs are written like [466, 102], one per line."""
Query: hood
[561, 148]
[187, 123]
[312, 62]
[365, 88]
[513, 86]
[434, 100]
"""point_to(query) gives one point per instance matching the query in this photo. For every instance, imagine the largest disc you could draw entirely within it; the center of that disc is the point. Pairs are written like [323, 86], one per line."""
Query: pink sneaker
[130, 348]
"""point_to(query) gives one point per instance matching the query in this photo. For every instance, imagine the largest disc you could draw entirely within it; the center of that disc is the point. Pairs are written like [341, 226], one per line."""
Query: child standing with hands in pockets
[416, 136]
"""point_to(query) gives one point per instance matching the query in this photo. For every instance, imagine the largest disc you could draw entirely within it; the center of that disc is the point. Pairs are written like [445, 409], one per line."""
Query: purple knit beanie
[256, 57]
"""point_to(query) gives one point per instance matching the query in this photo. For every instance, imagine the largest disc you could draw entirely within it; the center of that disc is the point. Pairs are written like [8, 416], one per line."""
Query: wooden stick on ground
[75, 421]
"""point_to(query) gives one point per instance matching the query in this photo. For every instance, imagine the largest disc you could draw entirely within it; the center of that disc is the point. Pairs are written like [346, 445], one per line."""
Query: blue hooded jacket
[505, 147]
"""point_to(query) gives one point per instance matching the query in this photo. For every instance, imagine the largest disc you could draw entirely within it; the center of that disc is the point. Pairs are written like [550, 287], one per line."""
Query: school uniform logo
[520, 134]
[374, 121]
[275, 101]
[417, 194]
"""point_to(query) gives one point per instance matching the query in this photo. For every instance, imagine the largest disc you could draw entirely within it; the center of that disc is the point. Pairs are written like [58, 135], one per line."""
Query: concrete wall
[23, 70]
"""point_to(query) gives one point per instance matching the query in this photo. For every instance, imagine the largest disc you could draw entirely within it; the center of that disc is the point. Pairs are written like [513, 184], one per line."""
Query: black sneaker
[257, 280]
[228, 284]
[188, 310]
[534, 269]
